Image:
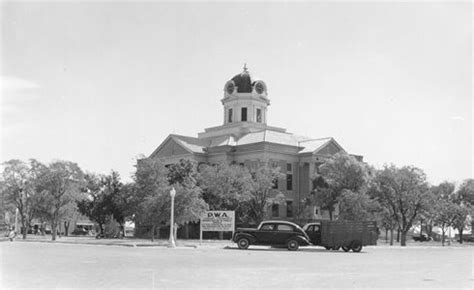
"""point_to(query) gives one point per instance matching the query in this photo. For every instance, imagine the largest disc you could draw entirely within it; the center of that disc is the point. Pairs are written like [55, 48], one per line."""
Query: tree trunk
[421, 227]
[158, 235]
[386, 235]
[443, 231]
[24, 227]
[330, 215]
[460, 235]
[391, 237]
[53, 231]
[66, 228]
[398, 235]
[403, 241]
[153, 232]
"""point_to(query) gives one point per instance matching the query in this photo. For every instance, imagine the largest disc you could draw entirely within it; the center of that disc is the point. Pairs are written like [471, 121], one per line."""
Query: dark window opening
[244, 114]
[230, 116]
[275, 210]
[289, 208]
[289, 182]
[288, 167]
[283, 227]
[259, 116]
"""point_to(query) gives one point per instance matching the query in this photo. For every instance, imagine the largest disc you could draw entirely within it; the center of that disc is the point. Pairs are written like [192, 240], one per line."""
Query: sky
[103, 83]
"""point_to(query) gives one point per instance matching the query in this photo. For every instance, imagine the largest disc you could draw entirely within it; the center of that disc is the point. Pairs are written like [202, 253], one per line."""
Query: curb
[130, 245]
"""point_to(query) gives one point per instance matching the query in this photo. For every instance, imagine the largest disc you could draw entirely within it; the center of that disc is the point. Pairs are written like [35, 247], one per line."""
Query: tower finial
[245, 67]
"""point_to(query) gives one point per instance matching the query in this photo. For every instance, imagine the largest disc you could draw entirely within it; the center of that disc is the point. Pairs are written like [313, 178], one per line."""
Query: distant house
[245, 138]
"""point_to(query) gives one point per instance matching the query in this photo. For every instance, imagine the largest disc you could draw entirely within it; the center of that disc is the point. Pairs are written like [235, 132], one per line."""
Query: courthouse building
[245, 138]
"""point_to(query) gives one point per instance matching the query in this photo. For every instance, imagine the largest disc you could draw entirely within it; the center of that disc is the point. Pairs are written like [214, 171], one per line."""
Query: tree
[405, 191]
[358, 206]
[226, 187]
[337, 175]
[93, 205]
[261, 193]
[459, 205]
[444, 217]
[184, 171]
[60, 184]
[125, 205]
[460, 218]
[105, 197]
[153, 186]
[466, 192]
[20, 181]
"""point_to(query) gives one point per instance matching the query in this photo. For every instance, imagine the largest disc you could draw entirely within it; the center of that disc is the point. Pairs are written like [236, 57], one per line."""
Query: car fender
[302, 240]
[251, 238]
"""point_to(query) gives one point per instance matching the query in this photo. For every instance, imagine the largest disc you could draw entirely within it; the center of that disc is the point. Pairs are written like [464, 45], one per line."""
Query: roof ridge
[317, 139]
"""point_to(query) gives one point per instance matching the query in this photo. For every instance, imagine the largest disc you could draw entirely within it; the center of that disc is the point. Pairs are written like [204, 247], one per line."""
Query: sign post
[217, 221]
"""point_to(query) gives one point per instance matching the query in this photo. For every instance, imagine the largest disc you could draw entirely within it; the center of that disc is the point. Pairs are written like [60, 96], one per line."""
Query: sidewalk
[126, 242]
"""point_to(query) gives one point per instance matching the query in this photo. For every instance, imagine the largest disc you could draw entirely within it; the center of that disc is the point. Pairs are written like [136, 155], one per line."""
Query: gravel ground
[70, 265]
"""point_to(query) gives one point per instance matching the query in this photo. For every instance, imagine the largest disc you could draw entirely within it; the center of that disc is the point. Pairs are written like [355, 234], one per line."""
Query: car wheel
[293, 245]
[243, 243]
[327, 248]
[356, 246]
[346, 249]
[336, 248]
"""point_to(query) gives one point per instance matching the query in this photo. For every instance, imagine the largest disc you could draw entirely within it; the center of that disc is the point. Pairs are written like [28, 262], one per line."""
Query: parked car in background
[80, 232]
[272, 233]
[422, 238]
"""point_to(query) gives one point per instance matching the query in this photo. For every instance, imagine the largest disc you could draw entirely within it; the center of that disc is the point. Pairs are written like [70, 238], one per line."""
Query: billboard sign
[218, 221]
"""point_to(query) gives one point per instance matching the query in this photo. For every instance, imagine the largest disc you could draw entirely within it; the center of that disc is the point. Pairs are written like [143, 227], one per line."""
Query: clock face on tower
[230, 88]
[259, 88]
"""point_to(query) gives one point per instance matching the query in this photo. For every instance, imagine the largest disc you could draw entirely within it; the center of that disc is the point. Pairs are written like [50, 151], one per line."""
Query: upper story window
[229, 116]
[289, 177]
[259, 115]
[244, 114]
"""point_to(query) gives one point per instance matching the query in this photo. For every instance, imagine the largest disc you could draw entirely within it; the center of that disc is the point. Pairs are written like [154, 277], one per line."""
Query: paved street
[49, 265]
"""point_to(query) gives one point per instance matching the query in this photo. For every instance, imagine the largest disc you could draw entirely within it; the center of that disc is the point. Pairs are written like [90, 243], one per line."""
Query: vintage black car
[422, 238]
[272, 233]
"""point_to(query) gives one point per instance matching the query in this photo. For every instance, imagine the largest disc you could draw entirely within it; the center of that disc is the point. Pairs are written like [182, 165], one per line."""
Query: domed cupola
[245, 100]
[243, 82]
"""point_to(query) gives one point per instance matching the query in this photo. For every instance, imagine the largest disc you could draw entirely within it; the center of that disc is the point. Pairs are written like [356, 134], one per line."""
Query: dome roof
[243, 81]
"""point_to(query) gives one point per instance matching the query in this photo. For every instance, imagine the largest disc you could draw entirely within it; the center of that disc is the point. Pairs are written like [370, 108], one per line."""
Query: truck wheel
[293, 245]
[346, 249]
[356, 246]
[243, 243]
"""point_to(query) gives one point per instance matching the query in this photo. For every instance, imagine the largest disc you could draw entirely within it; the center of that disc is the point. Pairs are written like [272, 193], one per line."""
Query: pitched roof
[192, 144]
[314, 144]
[272, 137]
[197, 145]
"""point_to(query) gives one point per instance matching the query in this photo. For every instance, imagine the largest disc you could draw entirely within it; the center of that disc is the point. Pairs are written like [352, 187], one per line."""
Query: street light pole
[172, 243]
